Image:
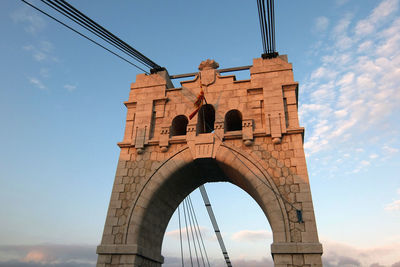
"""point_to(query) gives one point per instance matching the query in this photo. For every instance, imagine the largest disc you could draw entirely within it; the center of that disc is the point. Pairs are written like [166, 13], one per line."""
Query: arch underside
[168, 186]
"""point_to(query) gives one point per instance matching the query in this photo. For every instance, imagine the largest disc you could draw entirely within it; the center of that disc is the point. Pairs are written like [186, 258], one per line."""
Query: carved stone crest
[208, 64]
[208, 71]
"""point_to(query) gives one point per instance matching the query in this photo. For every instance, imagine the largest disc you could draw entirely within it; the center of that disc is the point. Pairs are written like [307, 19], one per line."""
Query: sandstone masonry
[248, 134]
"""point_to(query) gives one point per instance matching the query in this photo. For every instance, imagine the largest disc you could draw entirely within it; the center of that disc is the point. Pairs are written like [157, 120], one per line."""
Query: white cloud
[379, 14]
[70, 87]
[253, 263]
[44, 72]
[36, 82]
[373, 156]
[41, 52]
[390, 150]
[237, 260]
[394, 206]
[355, 88]
[365, 163]
[341, 2]
[35, 256]
[251, 235]
[340, 254]
[47, 255]
[205, 232]
[365, 46]
[33, 22]
[321, 24]
[340, 33]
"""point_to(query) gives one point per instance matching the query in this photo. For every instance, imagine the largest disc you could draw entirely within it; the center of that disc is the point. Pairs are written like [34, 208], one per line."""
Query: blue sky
[62, 115]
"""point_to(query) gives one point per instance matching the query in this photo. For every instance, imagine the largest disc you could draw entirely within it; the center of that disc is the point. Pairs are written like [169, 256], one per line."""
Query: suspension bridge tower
[246, 133]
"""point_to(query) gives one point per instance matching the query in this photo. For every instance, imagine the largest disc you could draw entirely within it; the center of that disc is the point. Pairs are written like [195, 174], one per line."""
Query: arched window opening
[179, 124]
[233, 120]
[206, 119]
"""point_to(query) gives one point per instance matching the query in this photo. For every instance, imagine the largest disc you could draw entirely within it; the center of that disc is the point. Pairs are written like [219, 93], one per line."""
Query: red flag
[198, 103]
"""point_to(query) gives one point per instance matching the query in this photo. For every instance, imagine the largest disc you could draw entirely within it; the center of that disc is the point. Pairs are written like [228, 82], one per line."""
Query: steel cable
[267, 26]
[100, 30]
[92, 29]
[187, 233]
[198, 227]
[84, 36]
[180, 235]
[191, 231]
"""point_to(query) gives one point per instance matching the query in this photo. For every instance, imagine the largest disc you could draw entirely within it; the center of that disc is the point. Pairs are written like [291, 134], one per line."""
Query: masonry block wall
[248, 134]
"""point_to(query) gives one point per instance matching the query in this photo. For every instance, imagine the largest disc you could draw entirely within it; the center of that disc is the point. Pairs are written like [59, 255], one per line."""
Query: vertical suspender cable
[191, 231]
[180, 234]
[215, 225]
[196, 230]
[198, 227]
[266, 23]
[187, 233]
[267, 26]
[273, 25]
[261, 26]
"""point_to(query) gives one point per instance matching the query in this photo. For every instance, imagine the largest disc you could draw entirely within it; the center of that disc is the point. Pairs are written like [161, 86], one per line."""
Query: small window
[206, 119]
[233, 120]
[179, 124]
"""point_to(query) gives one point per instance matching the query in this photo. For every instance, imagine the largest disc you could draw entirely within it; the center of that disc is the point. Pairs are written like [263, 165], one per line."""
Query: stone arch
[152, 166]
[178, 176]
[179, 125]
[233, 120]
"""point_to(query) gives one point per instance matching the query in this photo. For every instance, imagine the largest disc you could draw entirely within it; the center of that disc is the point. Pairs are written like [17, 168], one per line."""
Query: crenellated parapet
[266, 104]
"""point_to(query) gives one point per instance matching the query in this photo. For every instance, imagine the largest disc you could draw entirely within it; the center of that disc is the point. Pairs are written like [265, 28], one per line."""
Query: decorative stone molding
[247, 132]
[164, 138]
[276, 140]
[204, 146]
[219, 128]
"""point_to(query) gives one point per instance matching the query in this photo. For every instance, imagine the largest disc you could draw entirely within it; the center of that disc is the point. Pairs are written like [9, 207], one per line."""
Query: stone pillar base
[297, 254]
[127, 255]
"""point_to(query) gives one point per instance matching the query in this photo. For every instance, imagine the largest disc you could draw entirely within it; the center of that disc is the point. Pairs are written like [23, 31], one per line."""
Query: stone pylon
[247, 134]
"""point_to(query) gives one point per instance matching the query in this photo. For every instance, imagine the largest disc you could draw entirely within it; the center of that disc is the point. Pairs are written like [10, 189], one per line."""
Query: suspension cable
[180, 235]
[84, 36]
[93, 29]
[198, 227]
[215, 224]
[191, 231]
[191, 212]
[84, 21]
[266, 16]
[187, 233]
[78, 17]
